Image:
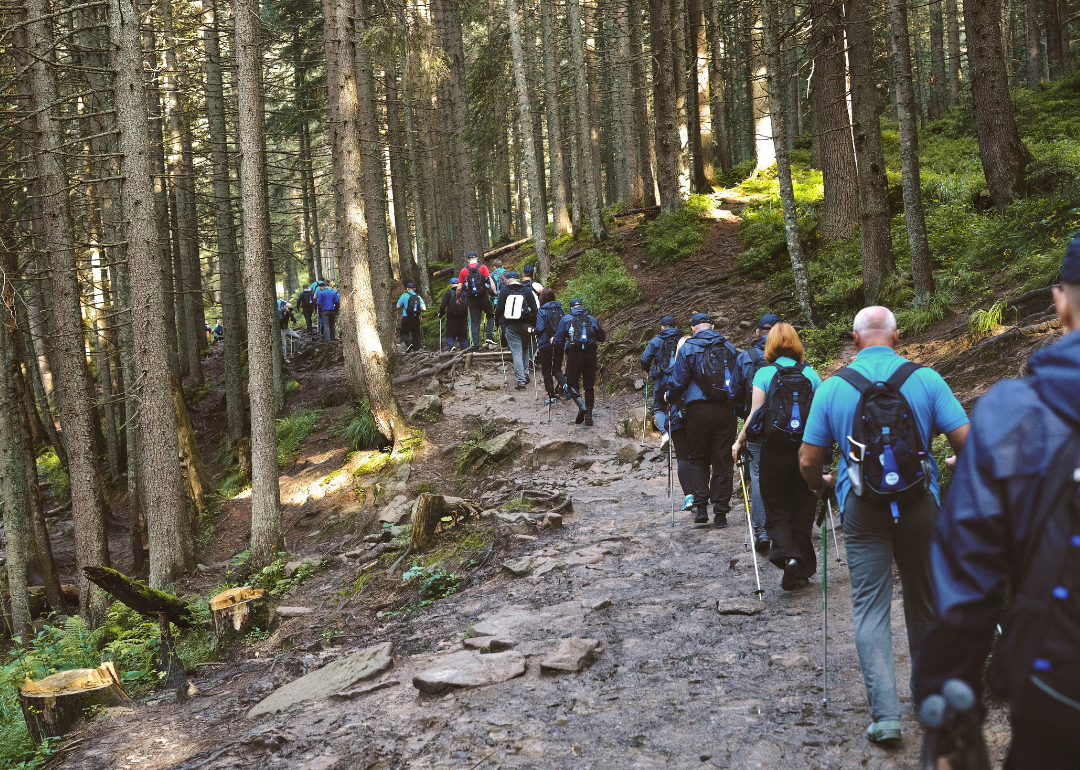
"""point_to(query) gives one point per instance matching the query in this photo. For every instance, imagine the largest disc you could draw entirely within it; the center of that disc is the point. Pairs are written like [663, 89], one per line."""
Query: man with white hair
[883, 411]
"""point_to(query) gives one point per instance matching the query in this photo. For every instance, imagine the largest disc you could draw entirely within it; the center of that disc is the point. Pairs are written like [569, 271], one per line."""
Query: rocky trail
[589, 634]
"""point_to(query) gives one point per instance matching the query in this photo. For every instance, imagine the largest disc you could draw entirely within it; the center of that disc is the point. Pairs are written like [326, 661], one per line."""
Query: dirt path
[675, 683]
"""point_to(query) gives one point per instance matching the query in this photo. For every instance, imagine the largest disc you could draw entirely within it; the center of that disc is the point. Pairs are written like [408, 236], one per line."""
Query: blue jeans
[872, 541]
[328, 320]
[660, 409]
[517, 337]
[757, 507]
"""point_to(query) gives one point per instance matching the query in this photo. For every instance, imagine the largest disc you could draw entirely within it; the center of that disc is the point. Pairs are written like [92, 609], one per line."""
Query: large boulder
[503, 445]
[557, 451]
[397, 511]
[427, 407]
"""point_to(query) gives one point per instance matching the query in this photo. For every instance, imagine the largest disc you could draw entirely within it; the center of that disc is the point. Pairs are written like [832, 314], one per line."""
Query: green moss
[602, 282]
[678, 234]
[56, 476]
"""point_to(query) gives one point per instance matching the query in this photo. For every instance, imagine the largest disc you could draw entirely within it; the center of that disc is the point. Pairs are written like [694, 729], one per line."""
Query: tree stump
[429, 509]
[52, 705]
[235, 607]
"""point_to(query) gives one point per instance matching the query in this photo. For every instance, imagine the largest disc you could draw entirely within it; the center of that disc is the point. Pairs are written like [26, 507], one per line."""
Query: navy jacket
[449, 307]
[1016, 428]
[683, 382]
[652, 351]
[747, 369]
[562, 336]
[544, 335]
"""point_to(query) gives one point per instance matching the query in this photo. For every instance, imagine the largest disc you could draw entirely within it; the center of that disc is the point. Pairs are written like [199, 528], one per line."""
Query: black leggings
[551, 366]
[581, 364]
[789, 506]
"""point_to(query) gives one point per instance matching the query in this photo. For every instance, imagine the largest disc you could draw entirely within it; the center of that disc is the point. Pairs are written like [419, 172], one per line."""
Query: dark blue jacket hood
[1056, 376]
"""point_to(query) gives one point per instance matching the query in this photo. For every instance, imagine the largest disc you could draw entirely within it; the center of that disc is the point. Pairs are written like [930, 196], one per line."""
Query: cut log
[51, 706]
[39, 603]
[506, 248]
[235, 607]
[141, 598]
[425, 518]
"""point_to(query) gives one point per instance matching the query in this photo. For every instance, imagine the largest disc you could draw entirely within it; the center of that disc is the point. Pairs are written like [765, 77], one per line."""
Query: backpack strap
[899, 377]
[854, 379]
[755, 354]
[1056, 485]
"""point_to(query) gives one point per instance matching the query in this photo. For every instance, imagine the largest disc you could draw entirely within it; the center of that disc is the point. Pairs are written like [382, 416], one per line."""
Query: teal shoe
[884, 731]
[688, 502]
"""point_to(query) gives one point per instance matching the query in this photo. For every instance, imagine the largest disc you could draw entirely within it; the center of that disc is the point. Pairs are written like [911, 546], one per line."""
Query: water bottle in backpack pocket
[413, 306]
[716, 367]
[475, 284]
[581, 331]
[892, 465]
[664, 361]
[787, 405]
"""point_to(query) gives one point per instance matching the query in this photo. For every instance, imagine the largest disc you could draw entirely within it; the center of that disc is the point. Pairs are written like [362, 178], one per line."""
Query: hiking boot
[520, 386]
[588, 417]
[720, 520]
[489, 341]
[884, 731]
[763, 545]
[701, 516]
[664, 439]
[792, 575]
[580, 416]
[688, 502]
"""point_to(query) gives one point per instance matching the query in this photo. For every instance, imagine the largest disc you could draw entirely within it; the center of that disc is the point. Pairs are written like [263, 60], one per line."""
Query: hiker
[549, 354]
[498, 275]
[412, 305]
[479, 287]
[578, 335]
[748, 364]
[455, 307]
[329, 302]
[1008, 533]
[704, 379]
[286, 318]
[529, 282]
[307, 306]
[516, 312]
[676, 426]
[890, 501]
[782, 391]
[659, 361]
[219, 331]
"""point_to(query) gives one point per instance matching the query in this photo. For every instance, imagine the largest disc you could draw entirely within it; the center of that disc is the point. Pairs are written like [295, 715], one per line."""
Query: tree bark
[582, 128]
[908, 116]
[396, 142]
[266, 533]
[840, 210]
[699, 182]
[351, 228]
[159, 465]
[1052, 26]
[76, 405]
[774, 65]
[876, 238]
[717, 110]
[1003, 154]
[421, 210]
[938, 85]
[952, 31]
[667, 126]
[1034, 43]
[535, 181]
[638, 79]
[762, 131]
[552, 80]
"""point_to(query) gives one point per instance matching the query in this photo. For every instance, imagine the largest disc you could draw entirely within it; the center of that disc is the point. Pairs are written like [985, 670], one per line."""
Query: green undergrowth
[976, 252]
[193, 394]
[602, 282]
[357, 427]
[48, 465]
[678, 234]
[480, 431]
[291, 432]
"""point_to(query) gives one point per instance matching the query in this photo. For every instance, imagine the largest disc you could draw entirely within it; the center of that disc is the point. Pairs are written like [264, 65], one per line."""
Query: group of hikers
[999, 560]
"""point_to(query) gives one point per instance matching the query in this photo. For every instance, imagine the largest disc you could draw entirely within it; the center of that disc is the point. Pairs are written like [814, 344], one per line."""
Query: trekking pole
[670, 485]
[743, 462]
[502, 361]
[832, 526]
[536, 380]
[440, 334]
[645, 413]
[825, 615]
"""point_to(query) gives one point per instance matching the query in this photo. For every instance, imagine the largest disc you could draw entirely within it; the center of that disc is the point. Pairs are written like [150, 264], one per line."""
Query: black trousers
[307, 318]
[1045, 732]
[457, 329]
[410, 328]
[581, 365]
[551, 366]
[789, 505]
[710, 431]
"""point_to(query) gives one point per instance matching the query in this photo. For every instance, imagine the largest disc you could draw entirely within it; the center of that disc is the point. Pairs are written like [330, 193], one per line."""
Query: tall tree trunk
[74, 386]
[421, 210]
[908, 116]
[552, 81]
[638, 79]
[938, 98]
[1003, 154]
[699, 182]
[790, 50]
[1063, 17]
[525, 121]
[952, 29]
[225, 225]
[396, 142]
[877, 253]
[774, 65]
[1034, 43]
[582, 124]
[1053, 36]
[762, 130]
[351, 232]
[840, 210]
[667, 128]
[159, 465]
[266, 533]
[717, 108]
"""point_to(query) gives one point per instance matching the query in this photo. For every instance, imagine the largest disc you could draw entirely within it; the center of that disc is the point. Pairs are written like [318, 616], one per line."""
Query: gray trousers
[873, 541]
[757, 507]
[517, 337]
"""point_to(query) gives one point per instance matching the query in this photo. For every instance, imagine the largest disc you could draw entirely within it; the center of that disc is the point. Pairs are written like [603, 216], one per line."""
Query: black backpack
[305, 300]
[1041, 623]
[582, 330]
[895, 466]
[664, 360]
[516, 307]
[475, 283]
[716, 366]
[459, 304]
[412, 308]
[552, 316]
[787, 405]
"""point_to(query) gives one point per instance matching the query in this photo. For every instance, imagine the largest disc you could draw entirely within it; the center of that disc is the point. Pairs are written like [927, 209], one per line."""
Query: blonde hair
[783, 340]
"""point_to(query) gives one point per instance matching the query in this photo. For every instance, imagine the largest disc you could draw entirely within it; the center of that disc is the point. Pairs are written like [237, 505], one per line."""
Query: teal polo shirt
[766, 374]
[833, 414]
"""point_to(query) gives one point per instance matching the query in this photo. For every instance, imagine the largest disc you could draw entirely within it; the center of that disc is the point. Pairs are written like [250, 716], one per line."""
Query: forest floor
[675, 683]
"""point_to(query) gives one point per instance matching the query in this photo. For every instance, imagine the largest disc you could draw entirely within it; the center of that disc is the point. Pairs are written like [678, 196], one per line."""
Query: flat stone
[293, 612]
[469, 669]
[544, 566]
[736, 606]
[745, 324]
[357, 692]
[397, 511]
[292, 566]
[558, 449]
[552, 520]
[334, 677]
[639, 384]
[397, 482]
[789, 660]
[519, 567]
[503, 445]
[596, 602]
[489, 644]
[579, 559]
[427, 406]
[572, 656]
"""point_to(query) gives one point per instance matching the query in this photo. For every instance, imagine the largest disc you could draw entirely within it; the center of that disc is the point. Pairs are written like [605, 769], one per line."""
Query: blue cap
[512, 274]
[528, 269]
[576, 302]
[667, 321]
[1070, 266]
[768, 321]
[453, 281]
[699, 318]
[472, 255]
[410, 285]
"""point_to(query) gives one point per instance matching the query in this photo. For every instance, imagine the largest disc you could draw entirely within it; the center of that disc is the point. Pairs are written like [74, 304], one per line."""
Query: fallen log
[431, 370]
[633, 212]
[506, 248]
[1045, 294]
[51, 706]
[141, 598]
